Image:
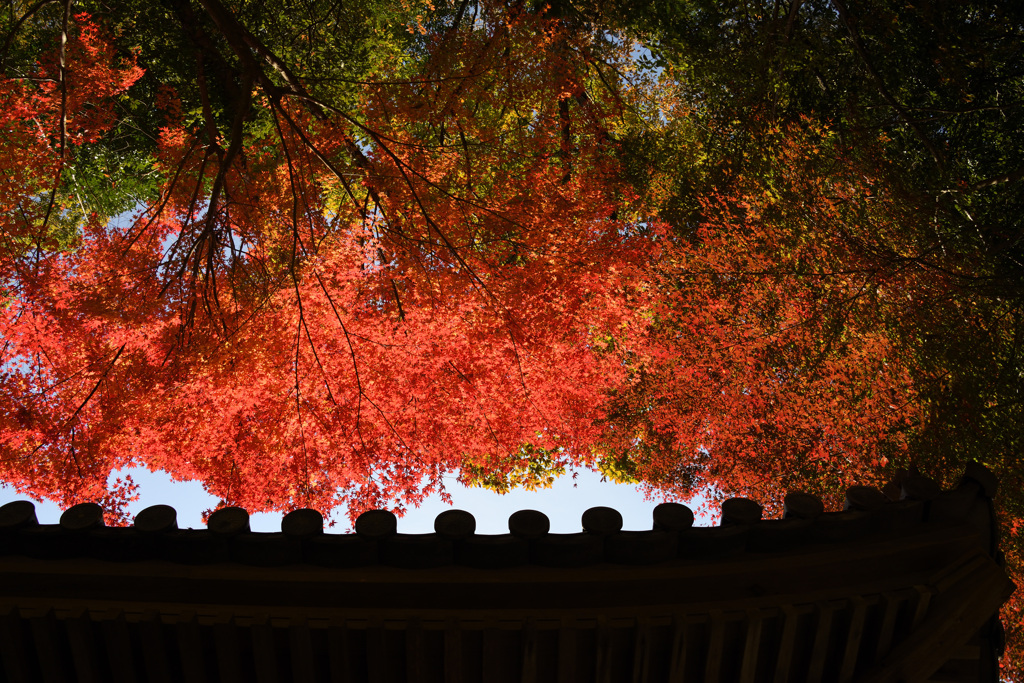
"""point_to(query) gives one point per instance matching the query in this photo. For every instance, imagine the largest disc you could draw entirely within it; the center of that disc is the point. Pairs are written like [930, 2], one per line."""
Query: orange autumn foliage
[348, 310]
[769, 363]
[341, 306]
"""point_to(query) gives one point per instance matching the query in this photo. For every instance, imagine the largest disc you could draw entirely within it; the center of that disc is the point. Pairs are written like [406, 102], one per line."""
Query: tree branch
[1011, 177]
[17, 26]
[78, 410]
[63, 113]
[886, 95]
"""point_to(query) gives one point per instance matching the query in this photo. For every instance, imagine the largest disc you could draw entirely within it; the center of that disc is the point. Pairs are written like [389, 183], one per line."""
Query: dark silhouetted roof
[885, 590]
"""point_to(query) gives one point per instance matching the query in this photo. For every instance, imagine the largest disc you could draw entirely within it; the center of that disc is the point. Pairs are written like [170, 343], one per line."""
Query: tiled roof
[868, 513]
[884, 590]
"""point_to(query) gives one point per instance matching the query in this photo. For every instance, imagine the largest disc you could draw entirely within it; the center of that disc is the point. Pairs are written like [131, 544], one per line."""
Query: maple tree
[336, 293]
[315, 255]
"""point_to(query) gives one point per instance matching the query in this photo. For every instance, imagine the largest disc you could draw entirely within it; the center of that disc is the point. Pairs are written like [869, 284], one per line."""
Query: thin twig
[63, 114]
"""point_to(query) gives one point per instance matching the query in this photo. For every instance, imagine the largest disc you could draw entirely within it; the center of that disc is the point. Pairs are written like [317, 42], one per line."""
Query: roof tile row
[154, 535]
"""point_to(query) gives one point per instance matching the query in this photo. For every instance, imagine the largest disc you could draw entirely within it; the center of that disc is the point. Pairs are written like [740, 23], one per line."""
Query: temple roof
[904, 586]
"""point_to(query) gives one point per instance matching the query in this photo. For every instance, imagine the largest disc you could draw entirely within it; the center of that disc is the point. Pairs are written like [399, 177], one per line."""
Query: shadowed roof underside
[886, 590]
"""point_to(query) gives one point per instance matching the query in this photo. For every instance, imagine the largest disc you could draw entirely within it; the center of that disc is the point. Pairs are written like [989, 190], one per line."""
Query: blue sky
[564, 504]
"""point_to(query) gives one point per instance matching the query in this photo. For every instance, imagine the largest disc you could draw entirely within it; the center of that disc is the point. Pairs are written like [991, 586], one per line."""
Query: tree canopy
[314, 253]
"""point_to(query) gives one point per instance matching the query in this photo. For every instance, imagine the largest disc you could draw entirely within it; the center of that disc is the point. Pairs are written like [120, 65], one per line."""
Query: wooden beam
[264, 651]
[190, 649]
[955, 616]
[642, 651]
[339, 652]
[44, 636]
[677, 668]
[847, 667]
[229, 661]
[301, 647]
[603, 654]
[14, 651]
[716, 647]
[529, 671]
[567, 652]
[154, 648]
[83, 648]
[415, 661]
[823, 633]
[376, 652]
[787, 642]
[118, 645]
[452, 652]
[892, 601]
[752, 646]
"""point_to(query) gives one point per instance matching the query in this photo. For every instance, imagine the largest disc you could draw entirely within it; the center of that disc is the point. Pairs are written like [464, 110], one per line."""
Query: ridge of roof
[913, 504]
